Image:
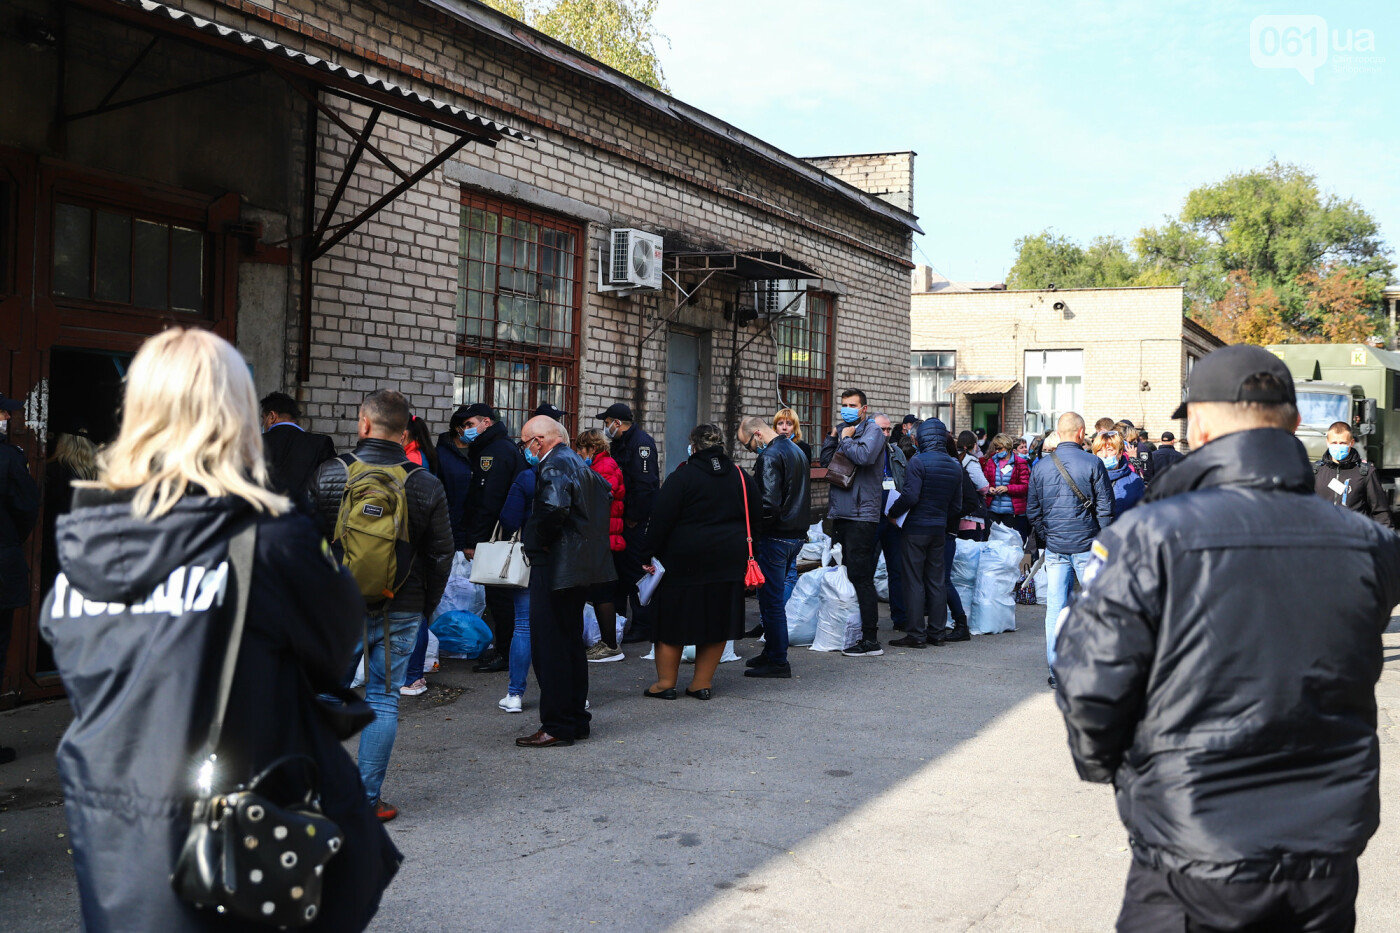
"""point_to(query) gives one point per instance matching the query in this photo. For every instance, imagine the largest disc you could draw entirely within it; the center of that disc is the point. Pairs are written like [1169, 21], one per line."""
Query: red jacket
[1017, 488]
[606, 467]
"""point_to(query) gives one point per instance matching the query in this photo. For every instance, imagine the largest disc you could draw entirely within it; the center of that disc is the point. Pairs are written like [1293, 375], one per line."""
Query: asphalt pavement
[927, 790]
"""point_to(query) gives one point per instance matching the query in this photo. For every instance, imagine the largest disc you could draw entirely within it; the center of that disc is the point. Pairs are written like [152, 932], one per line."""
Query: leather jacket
[783, 476]
[566, 535]
[429, 528]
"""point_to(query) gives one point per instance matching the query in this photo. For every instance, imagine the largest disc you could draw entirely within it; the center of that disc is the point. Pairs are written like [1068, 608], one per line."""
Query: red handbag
[753, 577]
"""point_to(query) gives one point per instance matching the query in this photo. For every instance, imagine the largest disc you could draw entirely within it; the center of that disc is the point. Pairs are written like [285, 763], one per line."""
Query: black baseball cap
[478, 410]
[1168, 436]
[550, 411]
[910, 419]
[1220, 376]
[10, 404]
[617, 411]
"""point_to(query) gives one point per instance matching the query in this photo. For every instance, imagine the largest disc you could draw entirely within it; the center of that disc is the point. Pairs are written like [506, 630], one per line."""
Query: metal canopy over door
[682, 395]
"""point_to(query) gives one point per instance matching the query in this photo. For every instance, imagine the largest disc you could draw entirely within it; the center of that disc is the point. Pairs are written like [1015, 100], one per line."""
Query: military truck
[1354, 383]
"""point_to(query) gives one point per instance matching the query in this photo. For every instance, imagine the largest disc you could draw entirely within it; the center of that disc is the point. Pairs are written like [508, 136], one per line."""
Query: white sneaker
[587, 706]
[417, 688]
[511, 704]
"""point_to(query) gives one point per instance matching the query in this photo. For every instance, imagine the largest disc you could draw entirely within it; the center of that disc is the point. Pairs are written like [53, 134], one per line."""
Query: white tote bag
[501, 563]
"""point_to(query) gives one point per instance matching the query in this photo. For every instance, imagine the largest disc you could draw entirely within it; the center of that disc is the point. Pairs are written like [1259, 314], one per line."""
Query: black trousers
[7, 619]
[628, 563]
[1158, 901]
[556, 649]
[500, 603]
[860, 543]
[924, 596]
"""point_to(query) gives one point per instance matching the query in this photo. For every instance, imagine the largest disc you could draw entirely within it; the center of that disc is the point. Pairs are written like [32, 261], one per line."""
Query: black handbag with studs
[248, 853]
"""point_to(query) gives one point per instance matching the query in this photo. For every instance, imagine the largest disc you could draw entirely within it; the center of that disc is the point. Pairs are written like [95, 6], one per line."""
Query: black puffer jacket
[1206, 671]
[783, 475]
[429, 530]
[566, 535]
[139, 625]
[933, 484]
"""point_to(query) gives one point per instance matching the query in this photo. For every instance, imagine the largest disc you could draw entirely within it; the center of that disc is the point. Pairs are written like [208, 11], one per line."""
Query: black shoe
[704, 693]
[667, 694]
[770, 670]
[1050, 680]
[754, 632]
[866, 647]
[758, 660]
[908, 641]
[632, 637]
[492, 666]
[7, 755]
[959, 633]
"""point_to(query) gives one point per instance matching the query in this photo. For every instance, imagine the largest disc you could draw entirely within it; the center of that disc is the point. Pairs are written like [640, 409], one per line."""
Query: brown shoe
[541, 739]
[385, 811]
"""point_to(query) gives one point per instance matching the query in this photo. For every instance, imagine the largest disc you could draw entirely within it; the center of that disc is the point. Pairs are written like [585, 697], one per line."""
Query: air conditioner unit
[635, 259]
[780, 298]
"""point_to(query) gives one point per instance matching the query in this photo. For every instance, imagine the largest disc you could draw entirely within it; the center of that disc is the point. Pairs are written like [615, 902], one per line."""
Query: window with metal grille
[930, 374]
[111, 257]
[804, 363]
[519, 307]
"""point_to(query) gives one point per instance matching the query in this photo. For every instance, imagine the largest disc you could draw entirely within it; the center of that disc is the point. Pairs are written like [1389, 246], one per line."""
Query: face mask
[1110, 462]
[759, 448]
[610, 431]
[470, 434]
[690, 450]
[850, 415]
[1339, 452]
[588, 460]
[531, 458]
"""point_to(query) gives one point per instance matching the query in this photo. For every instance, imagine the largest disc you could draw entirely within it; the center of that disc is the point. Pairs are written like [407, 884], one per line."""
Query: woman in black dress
[697, 530]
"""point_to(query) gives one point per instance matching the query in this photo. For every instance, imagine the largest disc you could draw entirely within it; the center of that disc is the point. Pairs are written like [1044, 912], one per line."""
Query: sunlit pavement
[922, 790]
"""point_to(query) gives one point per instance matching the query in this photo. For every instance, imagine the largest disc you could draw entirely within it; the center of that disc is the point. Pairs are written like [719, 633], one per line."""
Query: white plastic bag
[854, 630]
[430, 660]
[688, 653]
[882, 579]
[998, 571]
[591, 634]
[803, 606]
[965, 561]
[838, 601]
[818, 544]
[461, 594]
[359, 680]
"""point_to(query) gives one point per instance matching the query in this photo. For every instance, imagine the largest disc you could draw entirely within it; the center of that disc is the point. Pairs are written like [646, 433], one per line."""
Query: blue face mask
[530, 457]
[470, 434]
[850, 415]
[1339, 452]
[759, 448]
[1110, 462]
[588, 460]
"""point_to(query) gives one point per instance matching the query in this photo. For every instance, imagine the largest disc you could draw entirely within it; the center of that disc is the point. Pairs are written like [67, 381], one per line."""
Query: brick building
[419, 194]
[1015, 360]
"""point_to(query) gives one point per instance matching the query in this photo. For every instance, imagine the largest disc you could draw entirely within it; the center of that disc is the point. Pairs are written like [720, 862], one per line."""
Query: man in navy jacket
[1070, 500]
[932, 497]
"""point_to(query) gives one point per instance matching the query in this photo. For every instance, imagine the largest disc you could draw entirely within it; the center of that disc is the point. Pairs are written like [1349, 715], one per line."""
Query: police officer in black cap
[19, 508]
[1209, 672]
[635, 452]
[495, 462]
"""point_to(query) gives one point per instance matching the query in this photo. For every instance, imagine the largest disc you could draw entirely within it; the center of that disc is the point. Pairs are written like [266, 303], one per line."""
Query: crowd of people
[352, 552]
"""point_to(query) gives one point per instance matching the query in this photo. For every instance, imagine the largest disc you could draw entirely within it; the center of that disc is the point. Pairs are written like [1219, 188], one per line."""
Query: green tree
[618, 33]
[1049, 259]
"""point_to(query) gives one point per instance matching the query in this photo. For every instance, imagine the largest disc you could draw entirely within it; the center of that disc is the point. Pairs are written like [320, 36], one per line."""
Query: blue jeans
[419, 657]
[891, 544]
[520, 644]
[790, 582]
[777, 557]
[1058, 569]
[955, 606]
[377, 739]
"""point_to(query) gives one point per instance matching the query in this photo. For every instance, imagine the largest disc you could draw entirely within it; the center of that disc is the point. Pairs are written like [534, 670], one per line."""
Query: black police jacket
[566, 535]
[19, 508]
[139, 621]
[635, 452]
[495, 462]
[1209, 671]
[783, 475]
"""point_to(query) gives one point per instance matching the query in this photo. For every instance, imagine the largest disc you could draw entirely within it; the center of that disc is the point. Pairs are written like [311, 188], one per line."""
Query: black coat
[697, 522]
[455, 471]
[292, 456]
[1362, 481]
[495, 460]
[783, 474]
[429, 531]
[933, 484]
[139, 656]
[19, 509]
[566, 533]
[1163, 459]
[635, 452]
[1210, 673]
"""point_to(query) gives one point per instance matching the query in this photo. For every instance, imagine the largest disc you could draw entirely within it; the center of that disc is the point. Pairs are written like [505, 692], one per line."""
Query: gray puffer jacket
[865, 500]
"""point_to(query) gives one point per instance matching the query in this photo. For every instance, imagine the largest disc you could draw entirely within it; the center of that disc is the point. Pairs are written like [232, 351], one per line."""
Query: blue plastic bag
[461, 634]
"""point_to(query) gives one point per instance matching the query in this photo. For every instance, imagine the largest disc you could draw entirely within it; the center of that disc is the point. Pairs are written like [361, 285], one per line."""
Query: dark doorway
[987, 416]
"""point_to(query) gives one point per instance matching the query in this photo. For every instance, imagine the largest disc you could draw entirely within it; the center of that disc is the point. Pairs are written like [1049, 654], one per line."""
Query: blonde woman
[1128, 487]
[139, 619]
[74, 459]
[786, 423]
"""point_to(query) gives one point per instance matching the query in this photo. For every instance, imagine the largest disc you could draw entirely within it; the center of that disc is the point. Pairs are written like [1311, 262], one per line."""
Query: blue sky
[1086, 118]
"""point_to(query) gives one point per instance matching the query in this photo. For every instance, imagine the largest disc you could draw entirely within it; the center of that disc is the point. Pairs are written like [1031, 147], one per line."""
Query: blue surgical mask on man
[849, 414]
[1339, 452]
[470, 434]
[531, 458]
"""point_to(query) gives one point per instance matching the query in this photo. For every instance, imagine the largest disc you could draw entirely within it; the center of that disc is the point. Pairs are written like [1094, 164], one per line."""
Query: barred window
[804, 363]
[519, 306]
[930, 374]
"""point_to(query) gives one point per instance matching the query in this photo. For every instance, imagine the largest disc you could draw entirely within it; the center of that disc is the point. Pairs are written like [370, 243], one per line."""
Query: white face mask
[610, 431]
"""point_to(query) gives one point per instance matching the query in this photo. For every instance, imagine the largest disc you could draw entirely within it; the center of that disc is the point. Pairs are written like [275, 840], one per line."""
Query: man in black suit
[292, 454]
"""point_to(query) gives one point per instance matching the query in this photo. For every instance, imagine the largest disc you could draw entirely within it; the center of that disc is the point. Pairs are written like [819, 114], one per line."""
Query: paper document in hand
[890, 500]
[646, 586]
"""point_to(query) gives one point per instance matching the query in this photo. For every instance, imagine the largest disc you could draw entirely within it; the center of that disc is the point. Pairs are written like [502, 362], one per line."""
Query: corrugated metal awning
[982, 386]
[428, 109]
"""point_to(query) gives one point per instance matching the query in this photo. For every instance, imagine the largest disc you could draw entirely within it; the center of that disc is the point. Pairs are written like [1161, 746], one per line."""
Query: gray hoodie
[865, 500]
